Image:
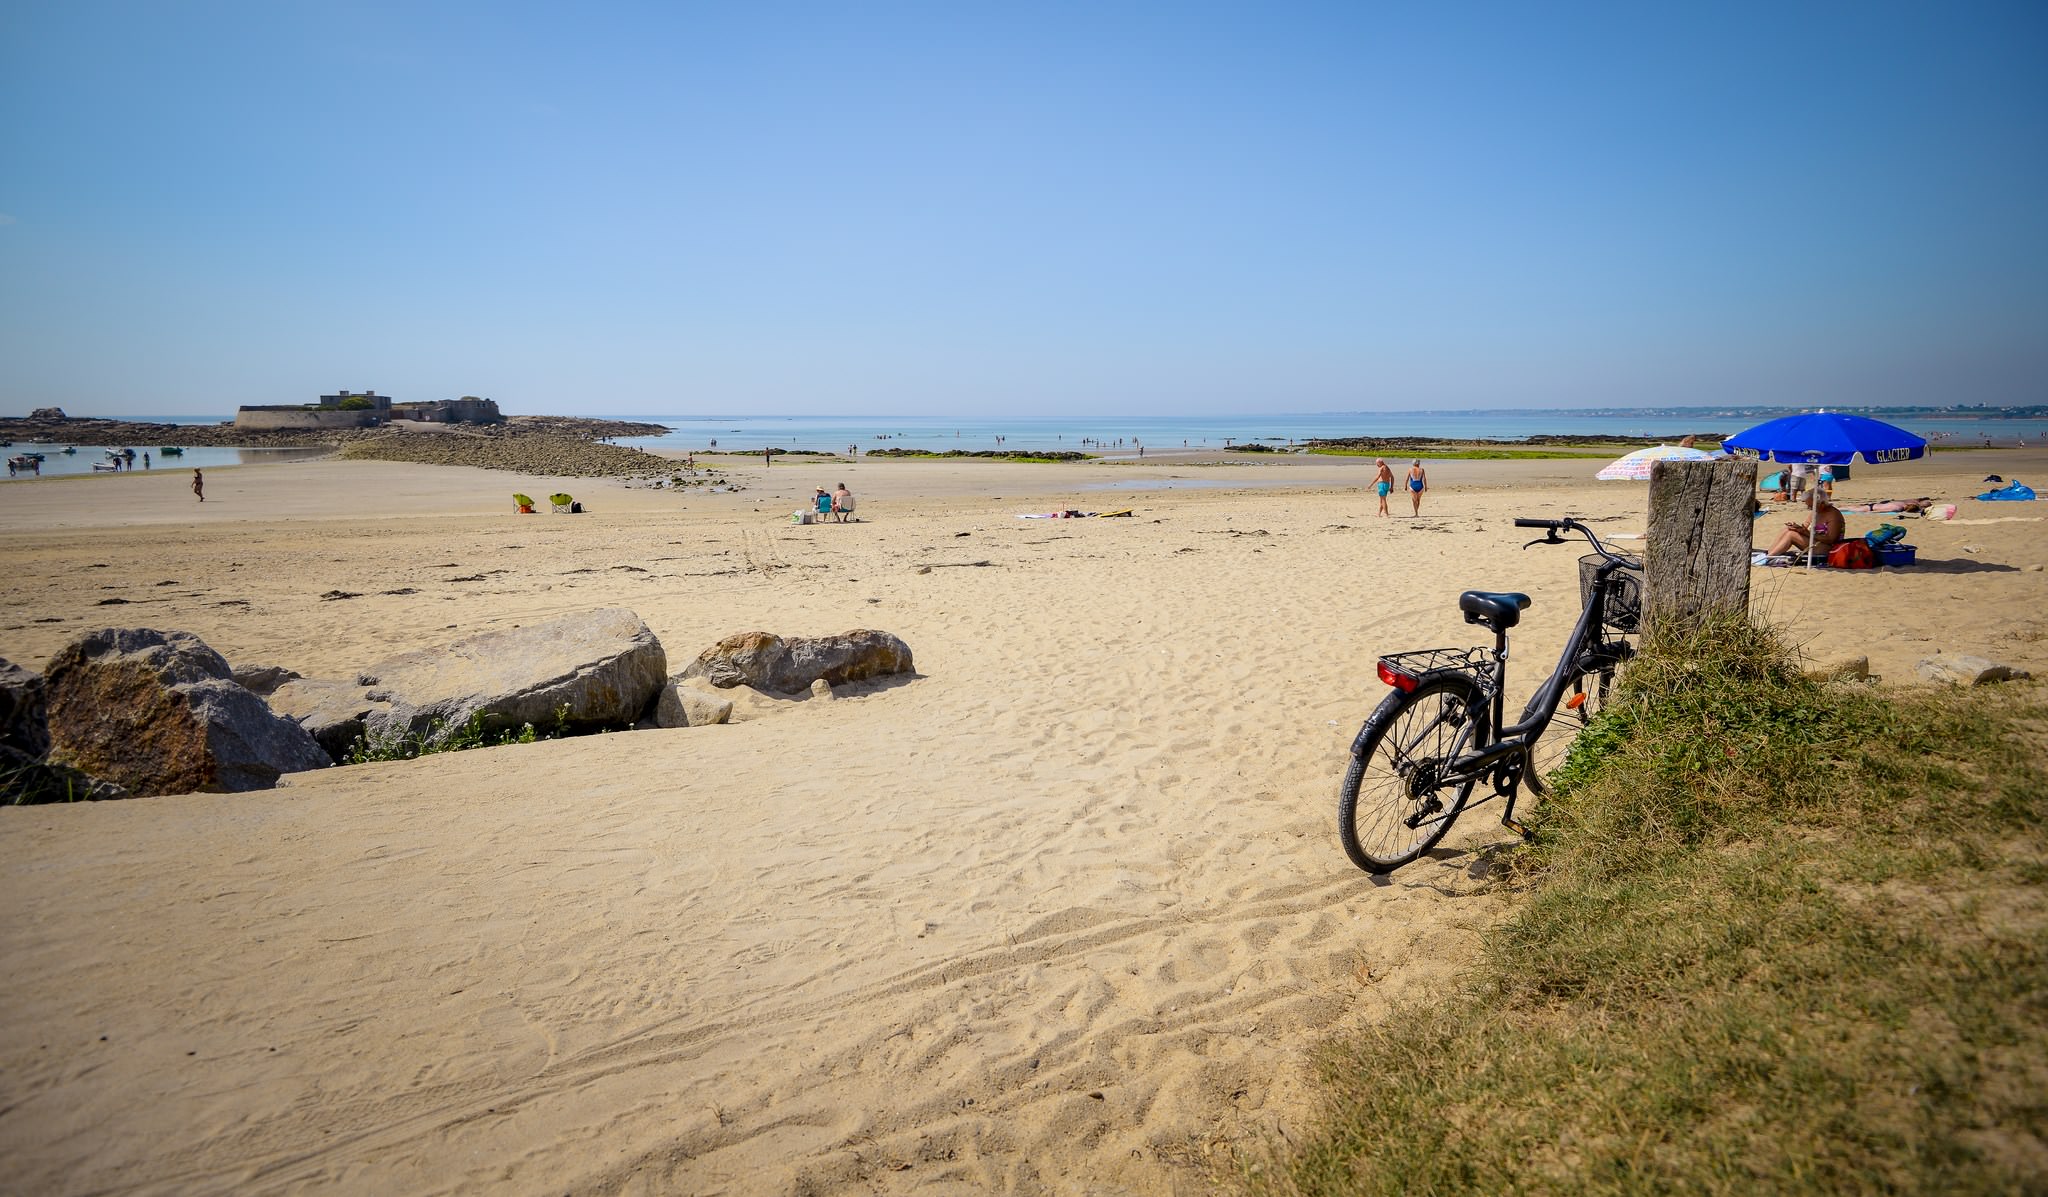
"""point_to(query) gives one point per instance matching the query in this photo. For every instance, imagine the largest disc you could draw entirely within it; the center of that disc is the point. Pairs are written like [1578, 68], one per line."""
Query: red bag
[1852, 554]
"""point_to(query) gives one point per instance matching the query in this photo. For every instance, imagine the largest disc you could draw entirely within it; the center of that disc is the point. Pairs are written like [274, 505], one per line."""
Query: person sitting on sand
[1910, 506]
[1382, 481]
[842, 502]
[1793, 538]
[1418, 481]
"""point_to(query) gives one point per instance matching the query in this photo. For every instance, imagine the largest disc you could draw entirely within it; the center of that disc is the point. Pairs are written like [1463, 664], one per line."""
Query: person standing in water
[1418, 481]
[199, 485]
[1382, 481]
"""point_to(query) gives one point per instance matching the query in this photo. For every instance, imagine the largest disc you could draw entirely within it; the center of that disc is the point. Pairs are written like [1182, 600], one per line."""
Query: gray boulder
[683, 705]
[582, 672]
[160, 713]
[1962, 669]
[335, 714]
[263, 680]
[24, 712]
[766, 661]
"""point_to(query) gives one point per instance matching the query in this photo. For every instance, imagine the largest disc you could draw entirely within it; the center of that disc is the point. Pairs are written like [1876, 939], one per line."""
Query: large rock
[766, 661]
[160, 713]
[583, 672]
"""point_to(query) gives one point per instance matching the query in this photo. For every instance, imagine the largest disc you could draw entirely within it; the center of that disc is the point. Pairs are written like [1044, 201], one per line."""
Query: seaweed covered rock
[160, 713]
[766, 661]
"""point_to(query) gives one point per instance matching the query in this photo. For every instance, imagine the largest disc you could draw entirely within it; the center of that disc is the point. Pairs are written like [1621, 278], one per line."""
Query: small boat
[171, 451]
[70, 449]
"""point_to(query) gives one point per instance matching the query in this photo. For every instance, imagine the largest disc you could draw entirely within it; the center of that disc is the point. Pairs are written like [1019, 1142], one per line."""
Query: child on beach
[1382, 481]
[1418, 481]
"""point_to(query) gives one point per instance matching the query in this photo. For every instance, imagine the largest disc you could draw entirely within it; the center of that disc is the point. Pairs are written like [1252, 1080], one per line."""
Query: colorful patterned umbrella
[1636, 466]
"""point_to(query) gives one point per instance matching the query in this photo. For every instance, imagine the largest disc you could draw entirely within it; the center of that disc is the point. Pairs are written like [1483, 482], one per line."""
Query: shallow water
[58, 464]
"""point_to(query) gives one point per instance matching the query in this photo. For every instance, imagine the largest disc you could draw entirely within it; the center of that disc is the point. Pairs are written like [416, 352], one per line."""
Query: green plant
[441, 736]
[355, 403]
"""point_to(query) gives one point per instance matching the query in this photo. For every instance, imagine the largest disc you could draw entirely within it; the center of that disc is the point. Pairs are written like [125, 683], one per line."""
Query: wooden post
[1696, 560]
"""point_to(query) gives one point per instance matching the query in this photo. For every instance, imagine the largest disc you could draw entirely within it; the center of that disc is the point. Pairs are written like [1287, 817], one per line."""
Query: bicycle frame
[1513, 739]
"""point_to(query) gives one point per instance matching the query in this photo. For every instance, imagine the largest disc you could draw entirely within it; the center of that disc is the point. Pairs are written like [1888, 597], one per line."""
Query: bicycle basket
[1624, 592]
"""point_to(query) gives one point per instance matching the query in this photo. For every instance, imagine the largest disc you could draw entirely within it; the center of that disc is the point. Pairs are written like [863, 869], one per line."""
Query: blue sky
[1052, 209]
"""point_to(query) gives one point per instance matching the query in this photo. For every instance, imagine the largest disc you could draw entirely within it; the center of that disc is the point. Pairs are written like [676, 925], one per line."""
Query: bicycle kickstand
[1507, 817]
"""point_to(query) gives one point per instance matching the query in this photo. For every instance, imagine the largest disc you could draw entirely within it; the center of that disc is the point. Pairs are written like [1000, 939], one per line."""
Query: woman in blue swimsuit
[1418, 481]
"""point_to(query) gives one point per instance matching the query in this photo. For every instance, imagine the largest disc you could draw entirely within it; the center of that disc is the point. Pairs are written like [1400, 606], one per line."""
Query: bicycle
[1420, 754]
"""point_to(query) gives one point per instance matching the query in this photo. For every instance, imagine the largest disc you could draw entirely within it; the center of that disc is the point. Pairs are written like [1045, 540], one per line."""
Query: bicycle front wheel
[1396, 802]
[1583, 697]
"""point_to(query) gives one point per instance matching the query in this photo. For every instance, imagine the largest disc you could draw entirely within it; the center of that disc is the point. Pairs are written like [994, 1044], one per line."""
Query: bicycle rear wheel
[1395, 803]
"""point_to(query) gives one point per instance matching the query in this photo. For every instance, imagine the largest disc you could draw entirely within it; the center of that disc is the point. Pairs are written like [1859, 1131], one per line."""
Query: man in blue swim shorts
[1382, 481]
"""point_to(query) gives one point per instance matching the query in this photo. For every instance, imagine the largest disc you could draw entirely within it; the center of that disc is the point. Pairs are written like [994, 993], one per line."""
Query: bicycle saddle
[1497, 611]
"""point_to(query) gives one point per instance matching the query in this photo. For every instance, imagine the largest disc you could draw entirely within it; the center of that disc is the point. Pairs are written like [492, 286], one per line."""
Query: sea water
[1126, 434]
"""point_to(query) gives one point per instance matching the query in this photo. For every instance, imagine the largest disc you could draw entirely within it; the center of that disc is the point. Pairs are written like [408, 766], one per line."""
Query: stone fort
[365, 410]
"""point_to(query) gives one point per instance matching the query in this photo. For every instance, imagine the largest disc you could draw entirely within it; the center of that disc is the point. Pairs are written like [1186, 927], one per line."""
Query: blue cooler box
[1895, 554]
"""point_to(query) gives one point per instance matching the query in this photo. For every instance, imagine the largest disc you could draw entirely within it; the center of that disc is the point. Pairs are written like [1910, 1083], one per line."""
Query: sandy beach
[1065, 912]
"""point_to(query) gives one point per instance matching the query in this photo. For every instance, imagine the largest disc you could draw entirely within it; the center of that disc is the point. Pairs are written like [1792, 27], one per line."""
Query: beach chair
[524, 502]
[564, 505]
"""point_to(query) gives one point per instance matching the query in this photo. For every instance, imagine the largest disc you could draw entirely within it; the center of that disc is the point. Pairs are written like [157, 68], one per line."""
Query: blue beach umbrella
[1828, 438]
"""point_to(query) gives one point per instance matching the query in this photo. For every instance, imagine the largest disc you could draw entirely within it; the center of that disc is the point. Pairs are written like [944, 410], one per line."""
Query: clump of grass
[443, 736]
[1779, 935]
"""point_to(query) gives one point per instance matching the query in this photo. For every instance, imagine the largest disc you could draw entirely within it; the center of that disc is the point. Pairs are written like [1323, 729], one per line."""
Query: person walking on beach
[842, 503]
[1382, 481]
[1418, 481]
[767, 458]
[199, 485]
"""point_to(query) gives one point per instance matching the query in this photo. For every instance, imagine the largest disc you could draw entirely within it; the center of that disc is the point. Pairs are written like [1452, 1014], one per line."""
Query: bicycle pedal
[1518, 827]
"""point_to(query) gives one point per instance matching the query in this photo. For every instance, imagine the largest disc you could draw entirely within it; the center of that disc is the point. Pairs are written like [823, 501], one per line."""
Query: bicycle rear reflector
[1395, 678]
[1576, 701]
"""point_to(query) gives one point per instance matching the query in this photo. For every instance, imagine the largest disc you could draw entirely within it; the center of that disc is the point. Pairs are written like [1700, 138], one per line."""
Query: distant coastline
[609, 446]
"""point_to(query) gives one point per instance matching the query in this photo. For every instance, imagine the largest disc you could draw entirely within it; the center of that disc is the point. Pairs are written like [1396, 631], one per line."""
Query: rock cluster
[136, 711]
[545, 454]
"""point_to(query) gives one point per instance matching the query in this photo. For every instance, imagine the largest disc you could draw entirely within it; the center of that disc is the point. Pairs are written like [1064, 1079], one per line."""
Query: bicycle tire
[1582, 698]
[1391, 808]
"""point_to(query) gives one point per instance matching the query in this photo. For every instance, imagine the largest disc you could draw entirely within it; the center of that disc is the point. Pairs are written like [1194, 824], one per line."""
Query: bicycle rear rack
[1406, 671]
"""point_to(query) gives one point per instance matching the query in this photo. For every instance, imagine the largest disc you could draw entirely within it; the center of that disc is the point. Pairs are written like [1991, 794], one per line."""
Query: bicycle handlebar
[1556, 526]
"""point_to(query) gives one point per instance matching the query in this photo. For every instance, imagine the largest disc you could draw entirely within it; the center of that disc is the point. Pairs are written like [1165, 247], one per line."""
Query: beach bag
[2014, 491]
[1852, 554]
[1883, 535]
